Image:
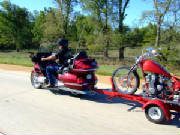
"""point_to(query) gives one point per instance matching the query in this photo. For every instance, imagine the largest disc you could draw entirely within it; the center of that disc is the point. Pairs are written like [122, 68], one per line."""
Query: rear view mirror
[31, 54]
[149, 49]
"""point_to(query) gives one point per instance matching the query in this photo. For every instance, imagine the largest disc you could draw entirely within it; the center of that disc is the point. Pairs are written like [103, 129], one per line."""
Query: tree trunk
[120, 17]
[158, 31]
[106, 31]
[68, 6]
[106, 53]
[17, 50]
[121, 52]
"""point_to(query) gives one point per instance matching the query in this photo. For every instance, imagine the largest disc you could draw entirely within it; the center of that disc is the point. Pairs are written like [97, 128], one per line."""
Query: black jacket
[62, 55]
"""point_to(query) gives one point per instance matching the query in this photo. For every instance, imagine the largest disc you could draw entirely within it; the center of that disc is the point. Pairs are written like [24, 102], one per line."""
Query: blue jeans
[51, 72]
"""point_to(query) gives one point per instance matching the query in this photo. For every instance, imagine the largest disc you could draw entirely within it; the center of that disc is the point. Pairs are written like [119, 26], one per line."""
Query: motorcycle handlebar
[151, 52]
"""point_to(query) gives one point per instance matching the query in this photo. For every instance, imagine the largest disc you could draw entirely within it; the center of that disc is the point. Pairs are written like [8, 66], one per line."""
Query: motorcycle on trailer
[158, 85]
[75, 76]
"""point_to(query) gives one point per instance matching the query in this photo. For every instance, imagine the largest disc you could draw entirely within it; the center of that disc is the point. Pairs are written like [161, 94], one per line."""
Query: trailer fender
[162, 105]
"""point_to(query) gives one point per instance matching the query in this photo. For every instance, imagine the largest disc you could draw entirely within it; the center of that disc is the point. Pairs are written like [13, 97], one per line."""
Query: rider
[51, 70]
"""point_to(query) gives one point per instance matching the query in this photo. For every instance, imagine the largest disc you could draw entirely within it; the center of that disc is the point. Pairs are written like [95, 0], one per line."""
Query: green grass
[106, 66]
[106, 70]
[15, 59]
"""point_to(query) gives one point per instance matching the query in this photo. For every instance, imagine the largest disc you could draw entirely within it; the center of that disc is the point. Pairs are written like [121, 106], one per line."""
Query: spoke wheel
[125, 83]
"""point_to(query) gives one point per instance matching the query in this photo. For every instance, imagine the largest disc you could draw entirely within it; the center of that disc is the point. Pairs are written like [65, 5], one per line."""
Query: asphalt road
[28, 111]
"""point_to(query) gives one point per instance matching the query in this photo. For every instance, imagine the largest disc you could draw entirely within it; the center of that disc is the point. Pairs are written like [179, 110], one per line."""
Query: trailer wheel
[155, 114]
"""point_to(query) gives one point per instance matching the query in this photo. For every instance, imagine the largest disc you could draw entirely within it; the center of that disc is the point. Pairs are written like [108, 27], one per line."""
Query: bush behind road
[106, 65]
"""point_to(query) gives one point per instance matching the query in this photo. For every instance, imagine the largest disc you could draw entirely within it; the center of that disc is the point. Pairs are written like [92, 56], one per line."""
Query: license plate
[89, 76]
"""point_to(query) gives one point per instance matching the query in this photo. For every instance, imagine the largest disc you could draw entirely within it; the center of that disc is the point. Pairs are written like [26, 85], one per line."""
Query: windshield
[47, 48]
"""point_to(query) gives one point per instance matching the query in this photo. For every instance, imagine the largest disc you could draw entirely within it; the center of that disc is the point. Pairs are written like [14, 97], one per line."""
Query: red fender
[162, 105]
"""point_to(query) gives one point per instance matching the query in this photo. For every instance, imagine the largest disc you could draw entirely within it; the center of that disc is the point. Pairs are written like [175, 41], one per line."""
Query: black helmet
[63, 42]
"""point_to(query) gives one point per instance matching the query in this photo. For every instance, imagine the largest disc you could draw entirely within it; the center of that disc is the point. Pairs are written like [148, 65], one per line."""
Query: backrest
[81, 55]
[67, 57]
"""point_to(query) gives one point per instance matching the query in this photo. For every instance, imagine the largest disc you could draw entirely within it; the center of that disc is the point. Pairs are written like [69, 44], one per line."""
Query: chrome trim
[73, 90]
[75, 84]
[93, 69]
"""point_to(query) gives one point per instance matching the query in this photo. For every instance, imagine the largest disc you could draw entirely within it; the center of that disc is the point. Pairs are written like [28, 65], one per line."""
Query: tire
[155, 114]
[34, 81]
[124, 83]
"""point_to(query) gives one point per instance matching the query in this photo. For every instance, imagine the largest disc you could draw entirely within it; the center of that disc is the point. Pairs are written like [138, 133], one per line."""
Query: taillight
[80, 80]
[85, 66]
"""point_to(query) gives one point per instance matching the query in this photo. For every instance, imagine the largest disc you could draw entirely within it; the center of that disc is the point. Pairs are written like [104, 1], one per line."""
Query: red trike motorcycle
[76, 76]
[158, 85]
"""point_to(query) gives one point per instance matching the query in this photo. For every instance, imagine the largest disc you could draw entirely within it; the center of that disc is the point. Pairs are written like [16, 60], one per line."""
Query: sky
[134, 11]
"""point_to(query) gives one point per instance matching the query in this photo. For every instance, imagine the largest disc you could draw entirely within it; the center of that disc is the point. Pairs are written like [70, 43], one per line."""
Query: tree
[95, 7]
[120, 9]
[53, 26]
[161, 7]
[65, 7]
[84, 26]
[148, 34]
[15, 27]
[38, 28]
[107, 11]
[102, 9]
[172, 23]
[85, 32]
[175, 11]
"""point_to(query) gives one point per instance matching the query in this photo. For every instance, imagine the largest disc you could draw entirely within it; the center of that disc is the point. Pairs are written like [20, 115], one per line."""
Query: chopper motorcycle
[75, 76]
[158, 83]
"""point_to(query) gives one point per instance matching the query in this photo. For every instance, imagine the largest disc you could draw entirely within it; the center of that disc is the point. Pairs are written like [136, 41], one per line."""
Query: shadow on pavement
[175, 120]
[100, 98]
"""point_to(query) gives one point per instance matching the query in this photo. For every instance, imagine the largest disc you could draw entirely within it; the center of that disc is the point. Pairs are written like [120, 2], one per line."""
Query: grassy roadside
[15, 59]
[23, 59]
[106, 68]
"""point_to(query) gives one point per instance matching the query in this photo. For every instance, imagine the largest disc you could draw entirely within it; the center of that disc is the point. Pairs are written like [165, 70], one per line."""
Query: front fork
[134, 68]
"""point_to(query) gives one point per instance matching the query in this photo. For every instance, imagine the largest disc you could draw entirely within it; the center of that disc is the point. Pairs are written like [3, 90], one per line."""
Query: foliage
[161, 7]
[98, 28]
[38, 28]
[65, 9]
[52, 26]
[15, 28]
[170, 58]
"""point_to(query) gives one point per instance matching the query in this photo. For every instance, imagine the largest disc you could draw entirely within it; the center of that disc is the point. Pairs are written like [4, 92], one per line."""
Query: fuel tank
[154, 67]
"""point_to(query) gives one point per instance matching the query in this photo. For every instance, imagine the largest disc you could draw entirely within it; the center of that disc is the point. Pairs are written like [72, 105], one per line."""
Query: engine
[157, 85]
